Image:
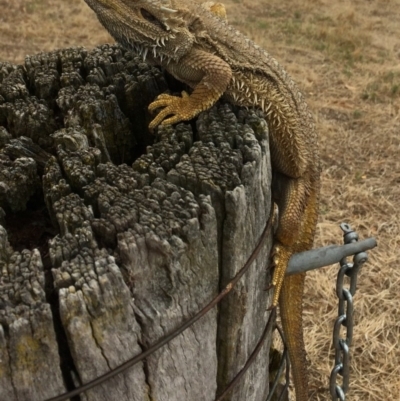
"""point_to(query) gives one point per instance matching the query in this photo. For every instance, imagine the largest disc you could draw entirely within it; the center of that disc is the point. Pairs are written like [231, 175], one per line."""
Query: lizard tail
[291, 295]
[290, 305]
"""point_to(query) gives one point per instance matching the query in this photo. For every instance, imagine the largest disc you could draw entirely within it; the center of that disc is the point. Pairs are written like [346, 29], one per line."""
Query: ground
[345, 55]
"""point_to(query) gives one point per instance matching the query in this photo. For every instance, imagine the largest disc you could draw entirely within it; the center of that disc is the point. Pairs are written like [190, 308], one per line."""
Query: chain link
[345, 289]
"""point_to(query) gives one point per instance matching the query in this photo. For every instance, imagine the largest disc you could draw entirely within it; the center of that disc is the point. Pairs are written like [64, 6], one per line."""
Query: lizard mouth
[152, 19]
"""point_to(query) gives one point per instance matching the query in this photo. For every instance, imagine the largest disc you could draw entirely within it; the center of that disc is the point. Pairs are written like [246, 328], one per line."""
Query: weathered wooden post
[111, 237]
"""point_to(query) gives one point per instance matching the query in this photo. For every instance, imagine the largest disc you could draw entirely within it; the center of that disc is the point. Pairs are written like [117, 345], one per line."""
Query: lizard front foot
[179, 108]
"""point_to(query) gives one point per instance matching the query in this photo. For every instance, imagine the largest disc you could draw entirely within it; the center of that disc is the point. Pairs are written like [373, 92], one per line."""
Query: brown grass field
[345, 55]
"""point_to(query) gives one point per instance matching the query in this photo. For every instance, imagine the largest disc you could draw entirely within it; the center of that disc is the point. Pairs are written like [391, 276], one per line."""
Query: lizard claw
[179, 108]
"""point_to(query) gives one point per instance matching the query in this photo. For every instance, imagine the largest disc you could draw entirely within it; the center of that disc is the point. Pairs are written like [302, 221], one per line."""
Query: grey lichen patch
[27, 338]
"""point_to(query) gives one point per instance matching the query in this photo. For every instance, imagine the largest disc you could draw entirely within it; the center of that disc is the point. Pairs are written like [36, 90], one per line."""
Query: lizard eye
[151, 18]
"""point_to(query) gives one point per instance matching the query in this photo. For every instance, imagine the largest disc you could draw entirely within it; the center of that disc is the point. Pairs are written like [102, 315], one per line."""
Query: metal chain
[345, 290]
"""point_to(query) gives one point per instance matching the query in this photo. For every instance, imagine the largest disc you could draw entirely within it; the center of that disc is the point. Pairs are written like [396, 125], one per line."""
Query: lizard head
[146, 26]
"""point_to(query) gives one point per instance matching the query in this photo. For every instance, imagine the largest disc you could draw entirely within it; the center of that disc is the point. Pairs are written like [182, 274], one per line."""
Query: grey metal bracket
[327, 255]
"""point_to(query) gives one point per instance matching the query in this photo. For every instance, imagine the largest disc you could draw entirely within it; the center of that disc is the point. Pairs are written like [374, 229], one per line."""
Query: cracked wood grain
[112, 236]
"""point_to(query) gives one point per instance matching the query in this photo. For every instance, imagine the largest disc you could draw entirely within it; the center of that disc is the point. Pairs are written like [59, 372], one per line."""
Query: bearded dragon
[195, 44]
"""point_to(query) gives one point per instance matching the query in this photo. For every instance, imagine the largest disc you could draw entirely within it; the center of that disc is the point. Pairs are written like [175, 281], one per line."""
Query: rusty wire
[251, 359]
[285, 362]
[166, 339]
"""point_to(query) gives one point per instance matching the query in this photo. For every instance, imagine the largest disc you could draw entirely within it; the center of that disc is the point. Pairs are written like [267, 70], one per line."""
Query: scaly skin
[195, 44]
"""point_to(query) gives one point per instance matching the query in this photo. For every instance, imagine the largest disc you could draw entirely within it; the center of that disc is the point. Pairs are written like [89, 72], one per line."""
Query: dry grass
[32, 26]
[345, 55]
